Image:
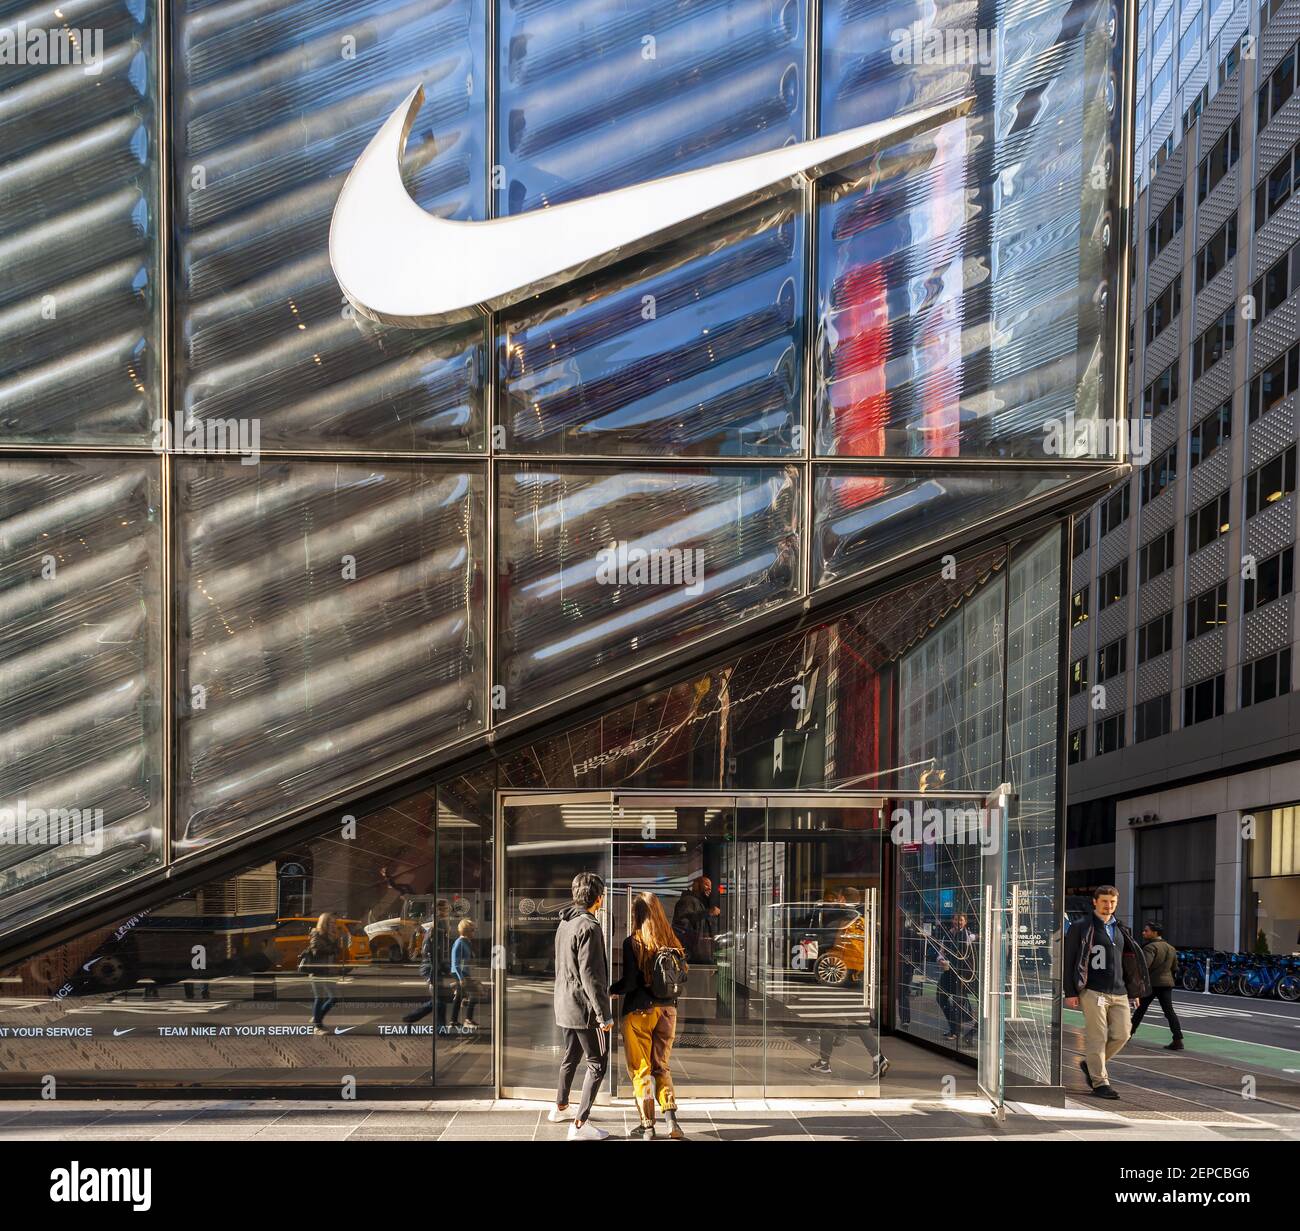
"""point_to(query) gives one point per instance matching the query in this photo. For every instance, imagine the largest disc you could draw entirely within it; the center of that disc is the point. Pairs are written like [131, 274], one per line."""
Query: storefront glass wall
[388, 540]
[770, 859]
[1273, 887]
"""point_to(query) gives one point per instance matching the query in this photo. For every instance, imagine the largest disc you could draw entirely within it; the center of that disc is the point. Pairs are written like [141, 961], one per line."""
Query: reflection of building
[387, 642]
[1181, 714]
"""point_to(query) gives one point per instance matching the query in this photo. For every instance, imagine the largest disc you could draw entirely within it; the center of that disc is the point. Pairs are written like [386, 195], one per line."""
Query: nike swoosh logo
[343, 1029]
[400, 265]
[117, 1034]
[90, 963]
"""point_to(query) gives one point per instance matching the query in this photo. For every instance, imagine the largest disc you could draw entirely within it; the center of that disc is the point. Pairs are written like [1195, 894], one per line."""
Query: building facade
[736, 573]
[1184, 730]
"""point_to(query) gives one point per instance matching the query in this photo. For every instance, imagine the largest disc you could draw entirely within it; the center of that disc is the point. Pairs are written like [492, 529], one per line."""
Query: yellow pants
[648, 1041]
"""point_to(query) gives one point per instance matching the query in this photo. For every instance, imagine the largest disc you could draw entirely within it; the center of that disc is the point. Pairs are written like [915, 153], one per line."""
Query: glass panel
[1037, 834]
[697, 350]
[329, 624]
[862, 519]
[679, 86]
[821, 951]
[79, 324]
[80, 678]
[1001, 906]
[207, 988]
[463, 990]
[272, 108]
[963, 309]
[545, 847]
[600, 567]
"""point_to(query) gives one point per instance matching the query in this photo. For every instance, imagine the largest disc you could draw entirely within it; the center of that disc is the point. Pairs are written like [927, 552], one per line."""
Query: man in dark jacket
[1161, 959]
[1104, 973]
[582, 1009]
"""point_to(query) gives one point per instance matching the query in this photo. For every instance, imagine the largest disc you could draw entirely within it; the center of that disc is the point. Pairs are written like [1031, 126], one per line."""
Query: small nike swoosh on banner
[117, 1034]
[343, 1029]
[400, 265]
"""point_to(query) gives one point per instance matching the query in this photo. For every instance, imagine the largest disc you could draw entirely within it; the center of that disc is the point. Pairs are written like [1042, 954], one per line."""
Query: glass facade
[268, 563]
[736, 794]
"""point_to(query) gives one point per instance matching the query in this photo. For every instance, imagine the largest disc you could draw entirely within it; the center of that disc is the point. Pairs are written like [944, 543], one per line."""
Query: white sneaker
[558, 1115]
[588, 1132]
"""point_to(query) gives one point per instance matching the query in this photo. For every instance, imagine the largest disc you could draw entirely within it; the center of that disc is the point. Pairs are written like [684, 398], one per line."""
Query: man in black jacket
[582, 1009]
[1104, 973]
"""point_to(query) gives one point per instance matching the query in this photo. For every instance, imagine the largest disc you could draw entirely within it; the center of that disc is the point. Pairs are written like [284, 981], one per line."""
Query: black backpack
[668, 974]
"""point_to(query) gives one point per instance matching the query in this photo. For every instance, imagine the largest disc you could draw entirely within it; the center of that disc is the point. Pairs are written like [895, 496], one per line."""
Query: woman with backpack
[654, 972]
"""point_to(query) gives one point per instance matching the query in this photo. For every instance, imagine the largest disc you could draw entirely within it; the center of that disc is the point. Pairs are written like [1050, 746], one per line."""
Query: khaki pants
[648, 1042]
[1107, 1025]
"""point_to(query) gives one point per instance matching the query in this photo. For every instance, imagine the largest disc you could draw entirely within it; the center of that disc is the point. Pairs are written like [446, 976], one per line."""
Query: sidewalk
[963, 1119]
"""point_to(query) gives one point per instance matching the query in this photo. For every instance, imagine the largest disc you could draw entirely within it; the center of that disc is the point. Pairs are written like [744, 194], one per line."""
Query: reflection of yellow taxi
[845, 959]
[291, 939]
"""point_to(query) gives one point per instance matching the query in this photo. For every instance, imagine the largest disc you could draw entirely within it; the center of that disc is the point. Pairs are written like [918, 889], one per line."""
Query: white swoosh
[117, 1034]
[343, 1029]
[401, 265]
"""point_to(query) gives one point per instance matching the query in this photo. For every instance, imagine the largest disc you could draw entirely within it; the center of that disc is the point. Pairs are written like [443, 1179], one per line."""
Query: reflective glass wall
[357, 548]
[946, 684]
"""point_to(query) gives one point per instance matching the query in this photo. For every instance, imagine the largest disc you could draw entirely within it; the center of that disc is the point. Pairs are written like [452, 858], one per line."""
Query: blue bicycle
[1279, 976]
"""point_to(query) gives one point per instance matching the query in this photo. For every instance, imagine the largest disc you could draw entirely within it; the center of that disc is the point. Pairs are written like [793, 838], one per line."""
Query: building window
[1165, 307]
[1275, 382]
[1162, 392]
[1151, 718]
[1078, 607]
[1159, 474]
[1207, 611]
[1162, 231]
[1276, 90]
[1273, 578]
[1082, 538]
[1109, 735]
[1270, 482]
[1077, 746]
[1275, 287]
[1114, 510]
[1156, 556]
[1209, 434]
[1156, 637]
[1228, 65]
[1266, 678]
[1217, 254]
[1112, 659]
[1207, 523]
[1078, 676]
[1203, 701]
[1213, 344]
[1112, 585]
[1275, 189]
[1219, 161]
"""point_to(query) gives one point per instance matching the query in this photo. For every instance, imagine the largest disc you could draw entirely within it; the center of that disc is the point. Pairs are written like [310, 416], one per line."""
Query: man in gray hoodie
[582, 1009]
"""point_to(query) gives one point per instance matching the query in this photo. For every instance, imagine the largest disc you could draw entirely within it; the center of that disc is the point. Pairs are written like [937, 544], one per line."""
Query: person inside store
[956, 975]
[464, 984]
[695, 920]
[327, 947]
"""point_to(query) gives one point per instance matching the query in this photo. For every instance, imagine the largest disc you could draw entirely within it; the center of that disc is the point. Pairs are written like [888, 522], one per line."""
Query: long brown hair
[651, 931]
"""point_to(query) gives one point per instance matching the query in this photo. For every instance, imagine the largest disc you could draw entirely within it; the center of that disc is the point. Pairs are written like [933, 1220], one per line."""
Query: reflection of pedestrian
[830, 1038]
[464, 985]
[1161, 960]
[321, 960]
[957, 972]
[433, 965]
[910, 955]
[695, 920]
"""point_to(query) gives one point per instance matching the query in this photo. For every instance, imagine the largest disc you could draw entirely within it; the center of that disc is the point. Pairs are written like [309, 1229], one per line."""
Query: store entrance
[775, 898]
